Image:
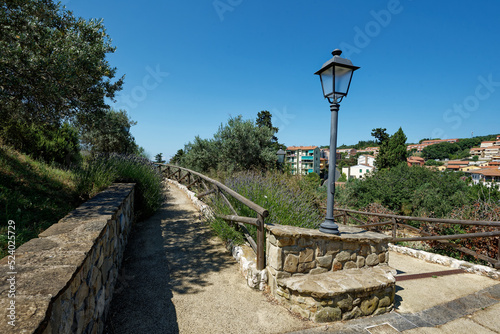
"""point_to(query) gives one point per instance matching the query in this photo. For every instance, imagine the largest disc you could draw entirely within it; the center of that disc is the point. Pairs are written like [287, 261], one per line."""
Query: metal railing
[195, 179]
[398, 221]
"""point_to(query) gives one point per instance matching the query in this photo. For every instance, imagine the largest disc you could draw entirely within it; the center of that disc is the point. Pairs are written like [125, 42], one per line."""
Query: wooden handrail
[220, 188]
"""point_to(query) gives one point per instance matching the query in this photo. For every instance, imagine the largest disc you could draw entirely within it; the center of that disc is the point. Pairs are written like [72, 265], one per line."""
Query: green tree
[392, 149]
[264, 119]
[111, 136]
[159, 158]
[53, 66]
[177, 158]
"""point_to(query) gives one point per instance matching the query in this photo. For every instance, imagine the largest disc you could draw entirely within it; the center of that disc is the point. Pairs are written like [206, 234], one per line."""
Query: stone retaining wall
[297, 251]
[64, 279]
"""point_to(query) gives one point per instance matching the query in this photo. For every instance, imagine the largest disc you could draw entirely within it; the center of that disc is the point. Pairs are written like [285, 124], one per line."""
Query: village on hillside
[482, 165]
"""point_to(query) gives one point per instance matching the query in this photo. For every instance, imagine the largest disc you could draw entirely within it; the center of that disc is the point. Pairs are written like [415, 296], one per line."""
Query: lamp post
[335, 75]
[281, 158]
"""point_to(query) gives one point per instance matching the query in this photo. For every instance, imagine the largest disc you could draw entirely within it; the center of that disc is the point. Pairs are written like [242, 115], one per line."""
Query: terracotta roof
[487, 171]
[295, 148]
[458, 162]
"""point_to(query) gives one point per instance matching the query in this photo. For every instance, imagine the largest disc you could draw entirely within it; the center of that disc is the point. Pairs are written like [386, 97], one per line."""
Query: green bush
[98, 173]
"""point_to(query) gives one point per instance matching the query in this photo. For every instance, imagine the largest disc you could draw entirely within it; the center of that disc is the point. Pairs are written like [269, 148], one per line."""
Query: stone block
[355, 313]
[381, 257]
[306, 255]
[285, 241]
[369, 306]
[328, 314]
[343, 256]
[350, 265]
[360, 262]
[372, 260]
[291, 263]
[275, 257]
[336, 265]
[305, 267]
[316, 271]
[324, 261]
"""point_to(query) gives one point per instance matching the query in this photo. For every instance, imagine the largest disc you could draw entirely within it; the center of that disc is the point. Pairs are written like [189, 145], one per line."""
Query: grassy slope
[33, 194]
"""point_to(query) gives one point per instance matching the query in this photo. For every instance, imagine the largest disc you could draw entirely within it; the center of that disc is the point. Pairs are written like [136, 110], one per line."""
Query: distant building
[415, 161]
[303, 159]
[490, 177]
[358, 171]
[349, 151]
[456, 165]
[425, 143]
[368, 160]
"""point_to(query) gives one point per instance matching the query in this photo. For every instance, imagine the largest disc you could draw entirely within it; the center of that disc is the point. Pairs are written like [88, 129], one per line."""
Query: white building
[358, 171]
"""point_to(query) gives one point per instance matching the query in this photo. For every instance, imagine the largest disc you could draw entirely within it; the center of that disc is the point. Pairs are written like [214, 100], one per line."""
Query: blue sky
[432, 68]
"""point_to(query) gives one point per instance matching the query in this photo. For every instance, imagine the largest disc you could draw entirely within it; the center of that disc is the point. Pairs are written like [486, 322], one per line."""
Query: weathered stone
[372, 260]
[271, 239]
[336, 265]
[350, 265]
[299, 310]
[324, 261]
[343, 256]
[346, 303]
[283, 242]
[354, 257]
[381, 258]
[317, 271]
[355, 313]
[304, 267]
[291, 263]
[353, 246]
[369, 306]
[275, 257]
[384, 302]
[306, 255]
[328, 314]
[360, 262]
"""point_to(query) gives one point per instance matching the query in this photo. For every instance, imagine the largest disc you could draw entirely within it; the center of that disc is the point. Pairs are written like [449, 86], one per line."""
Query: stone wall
[64, 279]
[297, 251]
[325, 277]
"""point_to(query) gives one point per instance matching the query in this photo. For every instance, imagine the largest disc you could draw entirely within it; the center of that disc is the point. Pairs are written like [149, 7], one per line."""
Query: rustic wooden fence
[398, 221]
[192, 179]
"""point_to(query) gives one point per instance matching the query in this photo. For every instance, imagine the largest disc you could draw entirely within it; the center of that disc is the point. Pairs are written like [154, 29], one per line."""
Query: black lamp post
[335, 75]
[281, 158]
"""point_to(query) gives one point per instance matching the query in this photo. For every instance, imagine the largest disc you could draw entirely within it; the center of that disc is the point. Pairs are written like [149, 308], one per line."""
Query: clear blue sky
[430, 67]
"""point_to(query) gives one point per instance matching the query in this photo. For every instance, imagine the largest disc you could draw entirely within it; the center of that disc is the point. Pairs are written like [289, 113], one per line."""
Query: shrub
[99, 172]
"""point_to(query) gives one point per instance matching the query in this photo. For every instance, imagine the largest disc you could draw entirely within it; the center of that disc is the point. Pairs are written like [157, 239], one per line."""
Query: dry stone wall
[64, 279]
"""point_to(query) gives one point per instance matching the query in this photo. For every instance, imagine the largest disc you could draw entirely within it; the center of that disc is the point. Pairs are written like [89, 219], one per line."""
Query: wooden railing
[398, 221]
[193, 179]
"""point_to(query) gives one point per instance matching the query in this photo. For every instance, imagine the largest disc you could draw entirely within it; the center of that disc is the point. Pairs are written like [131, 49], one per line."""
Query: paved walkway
[177, 278]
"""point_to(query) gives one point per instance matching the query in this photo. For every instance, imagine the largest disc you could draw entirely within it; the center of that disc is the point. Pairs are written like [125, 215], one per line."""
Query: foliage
[33, 194]
[458, 150]
[177, 158]
[362, 144]
[54, 65]
[99, 172]
[159, 158]
[410, 190]
[238, 145]
[288, 199]
[392, 149]
[51, 143]
[111, 135]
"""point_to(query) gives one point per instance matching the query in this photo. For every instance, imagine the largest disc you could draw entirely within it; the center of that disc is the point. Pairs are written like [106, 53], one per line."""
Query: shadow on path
[170, 253]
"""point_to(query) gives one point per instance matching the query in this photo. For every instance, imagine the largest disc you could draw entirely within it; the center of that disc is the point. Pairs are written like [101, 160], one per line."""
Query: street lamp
[335, 75]
[281, 158]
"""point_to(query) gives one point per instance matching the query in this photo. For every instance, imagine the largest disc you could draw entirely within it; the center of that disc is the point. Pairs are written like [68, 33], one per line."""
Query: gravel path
[177, 278]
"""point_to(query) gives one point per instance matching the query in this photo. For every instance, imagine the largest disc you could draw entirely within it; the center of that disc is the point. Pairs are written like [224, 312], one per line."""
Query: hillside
[32, 194]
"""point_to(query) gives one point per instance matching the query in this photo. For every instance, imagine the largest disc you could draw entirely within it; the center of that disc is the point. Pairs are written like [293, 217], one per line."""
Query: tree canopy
[53, 65]
[238, 145]
[392, 149]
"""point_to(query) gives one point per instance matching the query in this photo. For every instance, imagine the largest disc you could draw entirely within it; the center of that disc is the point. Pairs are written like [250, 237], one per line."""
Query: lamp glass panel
[342, 79]
[327, 82]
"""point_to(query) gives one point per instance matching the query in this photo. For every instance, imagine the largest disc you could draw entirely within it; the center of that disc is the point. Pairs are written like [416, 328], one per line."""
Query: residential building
[487, 143]
[368, 160]
[349, 151]
[456, 165]
[373, 150]
[323, 163]
[415, 161]
[358, 171]
[487, 176]
[479, 151]
[303, 159]
[491, 151]
[425, 143]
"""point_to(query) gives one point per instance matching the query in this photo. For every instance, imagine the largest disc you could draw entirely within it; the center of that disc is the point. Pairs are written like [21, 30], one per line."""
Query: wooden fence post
[261, 259]
[394, 227]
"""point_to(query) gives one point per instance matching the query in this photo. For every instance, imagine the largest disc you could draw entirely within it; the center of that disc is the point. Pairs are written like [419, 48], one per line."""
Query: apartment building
[303, 159]
[425, 143]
